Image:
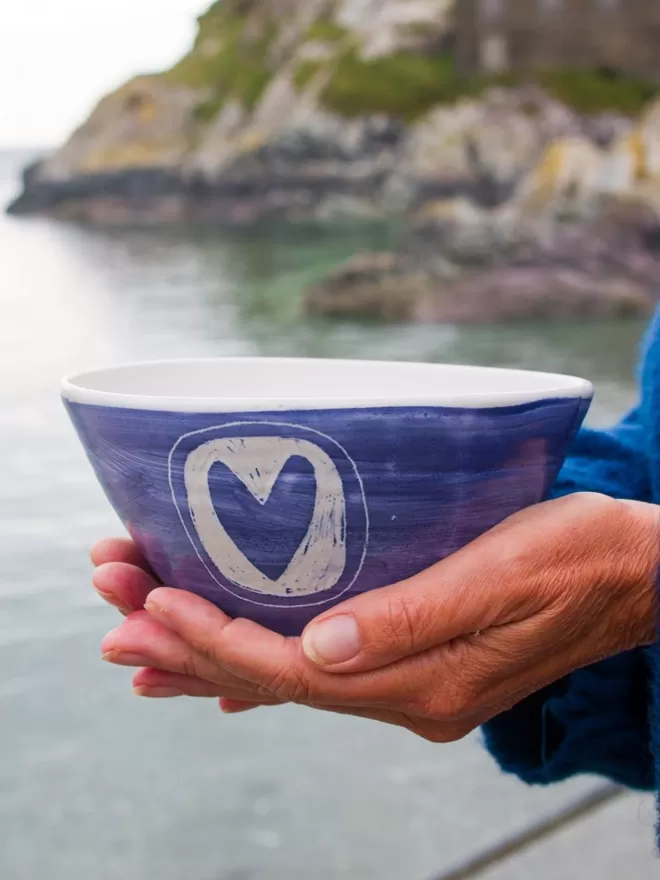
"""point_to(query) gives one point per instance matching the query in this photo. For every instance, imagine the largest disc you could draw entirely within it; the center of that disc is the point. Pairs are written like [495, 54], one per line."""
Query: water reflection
[242, 289]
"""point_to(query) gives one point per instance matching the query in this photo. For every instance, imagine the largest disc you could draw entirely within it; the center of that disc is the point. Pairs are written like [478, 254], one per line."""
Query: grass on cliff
[324, 30]
[227, 60]
[588, 92]
[231, 58]
[409, 84]
[405, 84]
[591, 92]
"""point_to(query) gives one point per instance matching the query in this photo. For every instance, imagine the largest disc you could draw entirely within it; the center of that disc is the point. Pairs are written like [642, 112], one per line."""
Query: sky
[58, 57]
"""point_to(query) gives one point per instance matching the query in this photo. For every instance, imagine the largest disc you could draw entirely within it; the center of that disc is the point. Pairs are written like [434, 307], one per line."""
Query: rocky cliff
[282, 107]
[579, 234]
[306, 108]
[523, 198]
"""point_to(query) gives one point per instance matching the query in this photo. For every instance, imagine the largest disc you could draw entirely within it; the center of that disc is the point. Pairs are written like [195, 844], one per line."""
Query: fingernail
[333, 641]
[110, 599]
[122, 659]
[154, 609]
[157, 693]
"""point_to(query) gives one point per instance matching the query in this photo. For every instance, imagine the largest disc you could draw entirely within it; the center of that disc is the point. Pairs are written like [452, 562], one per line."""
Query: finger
[236, 707]
[206, 630]
[143, 642]
[458, 685]
[117, 550]
[276, 665]
[155, 683]
[455, 598]
[123, 585]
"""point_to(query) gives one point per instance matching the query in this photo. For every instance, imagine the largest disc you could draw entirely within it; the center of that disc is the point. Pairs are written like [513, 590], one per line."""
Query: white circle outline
[243, 424]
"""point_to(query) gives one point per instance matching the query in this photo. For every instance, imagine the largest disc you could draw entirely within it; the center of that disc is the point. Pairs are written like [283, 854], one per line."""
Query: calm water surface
[97, 785]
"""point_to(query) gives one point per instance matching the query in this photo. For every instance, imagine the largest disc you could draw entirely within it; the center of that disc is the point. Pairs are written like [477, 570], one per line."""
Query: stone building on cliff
[618, 36]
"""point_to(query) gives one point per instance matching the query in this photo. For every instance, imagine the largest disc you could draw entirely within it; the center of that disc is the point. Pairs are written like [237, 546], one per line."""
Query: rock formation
[517, 204]
[303, 109]
[287, 108]
[579, 235]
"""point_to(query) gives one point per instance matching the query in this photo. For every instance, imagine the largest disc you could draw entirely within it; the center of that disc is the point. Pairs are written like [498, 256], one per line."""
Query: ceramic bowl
[277, 488]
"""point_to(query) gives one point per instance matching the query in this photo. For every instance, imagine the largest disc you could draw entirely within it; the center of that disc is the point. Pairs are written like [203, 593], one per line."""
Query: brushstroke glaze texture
[279, 515]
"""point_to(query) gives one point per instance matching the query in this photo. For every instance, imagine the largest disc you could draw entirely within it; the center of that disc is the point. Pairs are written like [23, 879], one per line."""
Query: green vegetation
[232, 58]
[305, 73]
[324, 30]
[405, 84]
[590, 91]
[228, 60]
[408, 85]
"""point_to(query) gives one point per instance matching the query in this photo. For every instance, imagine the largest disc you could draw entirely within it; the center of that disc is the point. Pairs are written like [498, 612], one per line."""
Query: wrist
[640, 526]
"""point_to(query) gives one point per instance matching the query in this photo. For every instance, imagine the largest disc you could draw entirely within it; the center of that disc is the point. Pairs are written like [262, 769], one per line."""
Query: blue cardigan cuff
[595, 721]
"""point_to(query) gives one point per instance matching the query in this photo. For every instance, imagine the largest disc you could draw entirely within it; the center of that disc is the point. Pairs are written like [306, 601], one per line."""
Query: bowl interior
[256, 383]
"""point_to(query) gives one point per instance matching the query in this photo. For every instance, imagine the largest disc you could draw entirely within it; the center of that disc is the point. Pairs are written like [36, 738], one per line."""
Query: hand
[552, 589]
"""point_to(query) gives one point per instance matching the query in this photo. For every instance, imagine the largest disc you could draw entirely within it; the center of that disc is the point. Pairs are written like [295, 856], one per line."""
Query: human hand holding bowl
[550, 590]
[279, 490]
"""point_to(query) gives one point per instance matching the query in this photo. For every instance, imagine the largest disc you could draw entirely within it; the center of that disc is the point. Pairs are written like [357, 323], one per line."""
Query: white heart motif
[319, 561]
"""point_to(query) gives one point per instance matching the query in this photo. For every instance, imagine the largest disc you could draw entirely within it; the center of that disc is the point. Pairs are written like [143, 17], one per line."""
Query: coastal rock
[562, 206]
[484, 146]
[609, 266]
[578, 236]
[621, 241]
[463, 232]
[632, 166]
[565, 184]
[387, 26]
[389, 290]
[145, 124]
[309, 109]
[286, 108]
[384, 285]
[517, 294]
[130, 149]
[517, 204]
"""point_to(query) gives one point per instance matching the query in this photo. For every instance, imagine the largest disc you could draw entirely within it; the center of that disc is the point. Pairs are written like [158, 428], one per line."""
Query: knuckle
[190, 666]
[291, 685]
[588, 508]
[209, 646]
[592, 500]
[404, 622]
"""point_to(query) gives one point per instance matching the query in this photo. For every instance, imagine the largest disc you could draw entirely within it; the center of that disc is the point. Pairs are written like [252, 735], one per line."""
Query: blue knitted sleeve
[596, 720]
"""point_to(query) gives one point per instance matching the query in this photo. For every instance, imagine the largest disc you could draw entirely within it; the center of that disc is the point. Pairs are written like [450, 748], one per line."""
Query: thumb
[378, 628]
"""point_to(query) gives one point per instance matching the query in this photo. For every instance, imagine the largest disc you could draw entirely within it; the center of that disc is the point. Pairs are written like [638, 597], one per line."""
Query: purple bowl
[277, 488]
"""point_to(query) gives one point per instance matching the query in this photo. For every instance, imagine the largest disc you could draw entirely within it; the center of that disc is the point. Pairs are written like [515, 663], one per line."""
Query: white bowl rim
[540, 386]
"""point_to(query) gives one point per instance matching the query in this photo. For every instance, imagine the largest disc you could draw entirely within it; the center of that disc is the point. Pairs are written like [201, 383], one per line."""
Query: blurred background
[471, 182]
